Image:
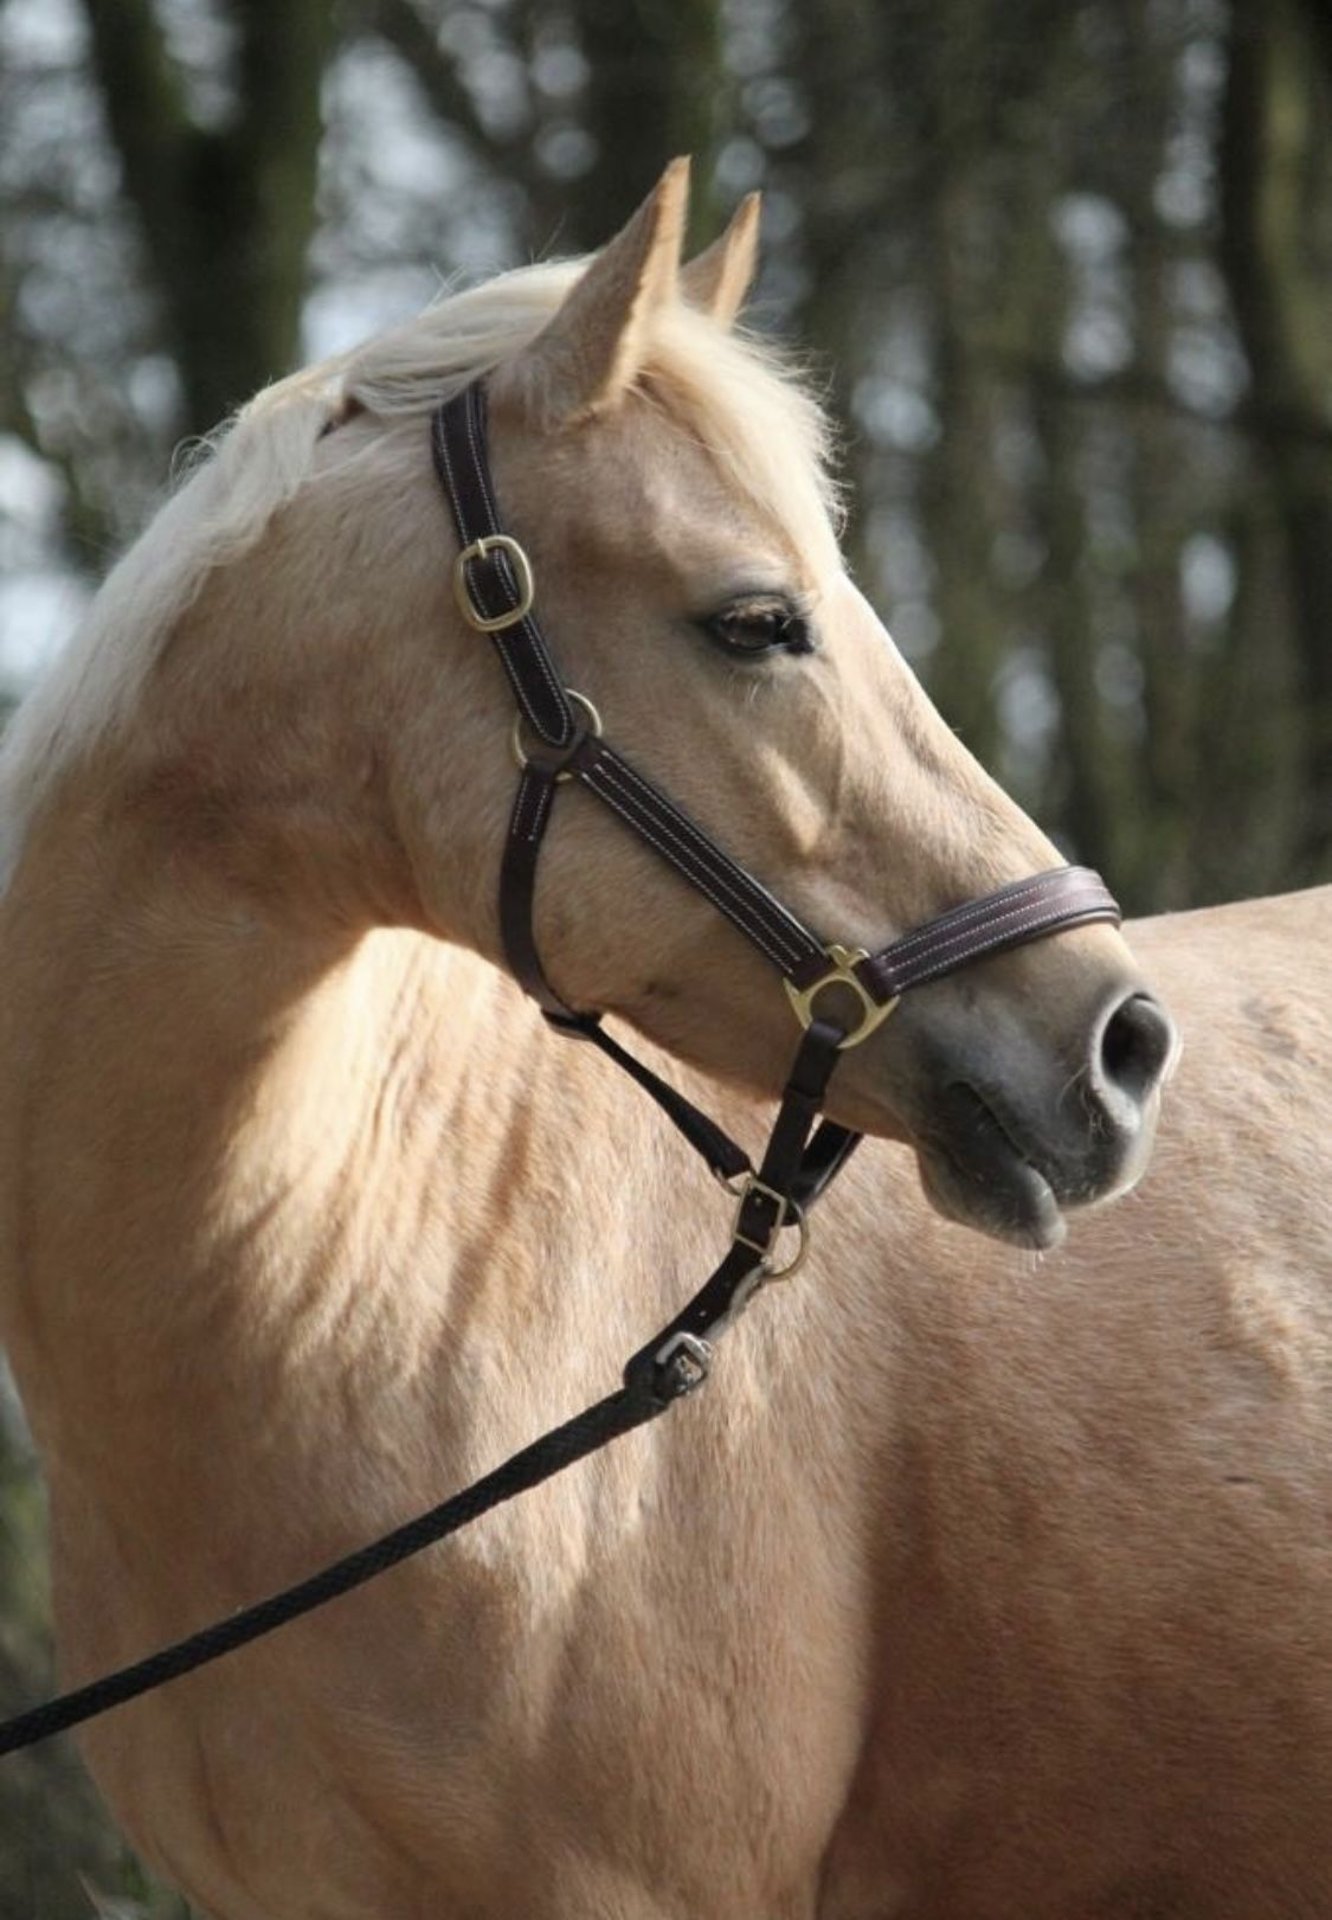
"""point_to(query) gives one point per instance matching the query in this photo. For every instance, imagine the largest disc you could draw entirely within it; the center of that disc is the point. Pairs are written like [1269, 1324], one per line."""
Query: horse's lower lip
[976, 1174]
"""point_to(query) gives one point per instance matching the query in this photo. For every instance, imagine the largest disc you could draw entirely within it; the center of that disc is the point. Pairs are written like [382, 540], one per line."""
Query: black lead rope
[672, 1364]
[619, 1413]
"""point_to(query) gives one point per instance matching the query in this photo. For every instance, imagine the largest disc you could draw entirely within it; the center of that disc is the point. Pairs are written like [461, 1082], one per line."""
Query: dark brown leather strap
[527, 824]
[1022, 911]
[522, 848]
[458, 442]
[824, 1158]
[725, 1159]
[745, 902]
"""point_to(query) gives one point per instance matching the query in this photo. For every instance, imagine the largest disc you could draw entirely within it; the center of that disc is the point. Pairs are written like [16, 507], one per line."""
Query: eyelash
[786, 627]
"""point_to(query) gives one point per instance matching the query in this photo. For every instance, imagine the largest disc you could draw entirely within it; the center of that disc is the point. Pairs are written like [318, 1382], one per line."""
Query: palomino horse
[975, 1585]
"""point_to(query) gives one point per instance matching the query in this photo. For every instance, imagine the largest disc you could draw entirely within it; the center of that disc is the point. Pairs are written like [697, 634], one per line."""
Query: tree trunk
[1278, 101]
[657, 87]
[226, 214]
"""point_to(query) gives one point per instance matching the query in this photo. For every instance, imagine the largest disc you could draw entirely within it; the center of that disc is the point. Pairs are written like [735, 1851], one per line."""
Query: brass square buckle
[788, 1215]
[522, 573]
[842, 973]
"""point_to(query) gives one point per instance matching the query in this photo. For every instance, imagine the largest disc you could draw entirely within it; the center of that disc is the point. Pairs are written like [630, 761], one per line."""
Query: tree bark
[657, 87]
[1275, 79]
[225, 214]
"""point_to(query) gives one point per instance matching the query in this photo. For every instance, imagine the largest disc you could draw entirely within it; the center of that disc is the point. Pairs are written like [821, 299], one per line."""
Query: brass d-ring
[798, 1258]
[842, 973]
[579, 700]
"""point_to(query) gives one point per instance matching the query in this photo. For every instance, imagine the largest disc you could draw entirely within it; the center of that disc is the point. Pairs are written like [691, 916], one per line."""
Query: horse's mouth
[976, 1173]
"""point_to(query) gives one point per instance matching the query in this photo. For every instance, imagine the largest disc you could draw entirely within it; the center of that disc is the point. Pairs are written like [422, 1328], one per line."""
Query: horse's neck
[296, 1238]
[233, 1154]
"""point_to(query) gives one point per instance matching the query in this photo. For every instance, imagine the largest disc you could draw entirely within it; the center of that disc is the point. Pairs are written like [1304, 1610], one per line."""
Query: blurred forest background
[1065, 264]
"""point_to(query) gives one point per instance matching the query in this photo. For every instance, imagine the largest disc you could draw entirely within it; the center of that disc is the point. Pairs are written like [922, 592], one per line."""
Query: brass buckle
[522, 567]
[842, 973]
[593, 727]
[788, 1215]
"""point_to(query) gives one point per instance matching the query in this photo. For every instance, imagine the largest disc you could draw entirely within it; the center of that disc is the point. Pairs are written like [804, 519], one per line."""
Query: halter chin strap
[838, 994]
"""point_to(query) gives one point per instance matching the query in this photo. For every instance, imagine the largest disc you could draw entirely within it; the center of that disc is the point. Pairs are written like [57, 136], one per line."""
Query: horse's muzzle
[1012, 1151]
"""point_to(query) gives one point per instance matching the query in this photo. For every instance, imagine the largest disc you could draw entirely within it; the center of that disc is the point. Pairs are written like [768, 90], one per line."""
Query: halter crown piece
[839, 995]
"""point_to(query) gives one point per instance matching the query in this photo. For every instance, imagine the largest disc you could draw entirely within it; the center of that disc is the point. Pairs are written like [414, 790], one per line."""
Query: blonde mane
[735, 394]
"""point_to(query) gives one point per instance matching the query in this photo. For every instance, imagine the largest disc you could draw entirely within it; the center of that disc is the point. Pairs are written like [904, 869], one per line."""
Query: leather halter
[495, 591]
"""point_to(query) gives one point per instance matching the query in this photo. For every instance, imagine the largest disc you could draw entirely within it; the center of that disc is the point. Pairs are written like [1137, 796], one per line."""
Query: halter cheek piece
[839, 996]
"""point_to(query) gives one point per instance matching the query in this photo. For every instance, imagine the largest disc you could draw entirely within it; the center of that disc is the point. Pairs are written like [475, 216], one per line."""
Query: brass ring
[580, 700]
[798, 1221]
[842, 973]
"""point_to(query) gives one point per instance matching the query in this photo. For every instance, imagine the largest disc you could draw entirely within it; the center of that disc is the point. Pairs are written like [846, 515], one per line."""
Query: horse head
[667, 479]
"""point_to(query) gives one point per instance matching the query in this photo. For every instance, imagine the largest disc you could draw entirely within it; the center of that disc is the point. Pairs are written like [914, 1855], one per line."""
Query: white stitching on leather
[915, 948]
[622, 805]
[471, 409]
[532, 796]
[966, 915]
[956, 951]
[706, 855]
[780, 923]
[503, 639]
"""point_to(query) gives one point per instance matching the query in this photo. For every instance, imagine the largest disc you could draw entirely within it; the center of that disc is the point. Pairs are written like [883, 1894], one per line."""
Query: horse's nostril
[1135, 1047]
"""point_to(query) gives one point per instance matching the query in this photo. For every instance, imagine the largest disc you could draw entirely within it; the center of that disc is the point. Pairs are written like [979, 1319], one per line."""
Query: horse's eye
[753, 628]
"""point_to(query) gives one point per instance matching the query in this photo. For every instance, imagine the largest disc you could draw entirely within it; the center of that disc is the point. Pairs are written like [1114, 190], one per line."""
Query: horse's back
[1244, 957]
[1241, 1171]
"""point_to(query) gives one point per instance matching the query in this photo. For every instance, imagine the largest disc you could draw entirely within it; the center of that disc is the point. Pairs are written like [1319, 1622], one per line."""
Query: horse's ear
[719, 278]
[588, 355]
